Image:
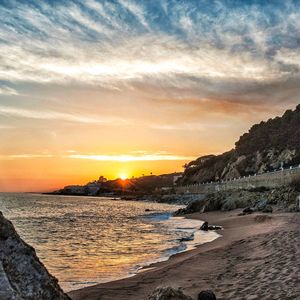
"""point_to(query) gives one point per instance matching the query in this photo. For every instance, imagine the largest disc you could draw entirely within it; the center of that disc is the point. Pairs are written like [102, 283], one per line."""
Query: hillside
[132, 186]
[267, 146]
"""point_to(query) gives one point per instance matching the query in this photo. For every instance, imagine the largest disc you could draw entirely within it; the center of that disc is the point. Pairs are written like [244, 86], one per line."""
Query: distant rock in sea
[22, 275]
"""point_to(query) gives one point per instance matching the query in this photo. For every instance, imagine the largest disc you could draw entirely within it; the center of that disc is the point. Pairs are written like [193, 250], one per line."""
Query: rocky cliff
[22, 275]
[267, 146]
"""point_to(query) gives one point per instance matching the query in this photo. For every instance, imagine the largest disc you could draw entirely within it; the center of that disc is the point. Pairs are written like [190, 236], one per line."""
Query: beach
[104, 239]
[257, 257]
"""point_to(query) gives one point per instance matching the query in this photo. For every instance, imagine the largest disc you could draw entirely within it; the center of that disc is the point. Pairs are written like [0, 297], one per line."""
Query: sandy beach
[256, 258]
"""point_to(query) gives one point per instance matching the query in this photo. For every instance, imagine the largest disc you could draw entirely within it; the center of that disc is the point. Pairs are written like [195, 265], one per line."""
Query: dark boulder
[195, 206]
[22, 275]
[248, 210]
[207, 295]
[206, 227]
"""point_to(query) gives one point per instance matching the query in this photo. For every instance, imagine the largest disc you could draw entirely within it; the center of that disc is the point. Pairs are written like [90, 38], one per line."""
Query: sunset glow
[96, 87]
[123, 176]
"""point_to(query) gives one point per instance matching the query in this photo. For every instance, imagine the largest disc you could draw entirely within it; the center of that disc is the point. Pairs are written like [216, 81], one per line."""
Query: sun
[123, 176]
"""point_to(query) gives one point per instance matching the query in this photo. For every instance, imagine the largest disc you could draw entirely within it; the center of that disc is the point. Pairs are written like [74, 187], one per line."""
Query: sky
[125, 87]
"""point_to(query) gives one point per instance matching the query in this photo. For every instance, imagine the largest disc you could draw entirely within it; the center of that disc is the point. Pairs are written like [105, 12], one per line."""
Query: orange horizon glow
[31, 162]
[130, 88]
[48, 174]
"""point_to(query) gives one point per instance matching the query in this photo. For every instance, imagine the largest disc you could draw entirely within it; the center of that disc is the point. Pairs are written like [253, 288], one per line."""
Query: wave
[191, 238]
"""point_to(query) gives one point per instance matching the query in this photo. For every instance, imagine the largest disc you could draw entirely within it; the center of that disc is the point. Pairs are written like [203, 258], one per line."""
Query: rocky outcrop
[22, 275]
[283, 198]
[168, 293]
[266, 147]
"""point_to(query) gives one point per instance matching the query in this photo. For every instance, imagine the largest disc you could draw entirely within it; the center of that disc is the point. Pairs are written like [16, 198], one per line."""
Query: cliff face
[266, 147]
[22, 275]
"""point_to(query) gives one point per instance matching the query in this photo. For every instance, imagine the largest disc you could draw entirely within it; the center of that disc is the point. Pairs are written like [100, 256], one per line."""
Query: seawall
[269, 180]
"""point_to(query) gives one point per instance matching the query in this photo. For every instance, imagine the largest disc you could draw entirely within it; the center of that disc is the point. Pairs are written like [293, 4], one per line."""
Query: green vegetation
[267, 146]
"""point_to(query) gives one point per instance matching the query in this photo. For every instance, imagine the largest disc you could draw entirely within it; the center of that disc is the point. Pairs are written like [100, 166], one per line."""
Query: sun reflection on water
[85, 240]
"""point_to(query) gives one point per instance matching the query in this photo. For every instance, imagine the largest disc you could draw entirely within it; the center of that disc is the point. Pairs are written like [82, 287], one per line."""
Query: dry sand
[254, 259]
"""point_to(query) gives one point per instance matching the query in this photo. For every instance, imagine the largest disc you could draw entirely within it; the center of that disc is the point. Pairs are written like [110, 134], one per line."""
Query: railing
[225, 181]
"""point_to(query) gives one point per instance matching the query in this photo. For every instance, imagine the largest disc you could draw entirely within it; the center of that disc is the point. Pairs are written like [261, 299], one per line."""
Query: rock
[147, 209]
[261, 205]
[248, 210]
[214, 227]
[206, 227]
[22, 275]
[298, 202]
[229, 204]
[284, 197]
[168, 293]
[195, 206]
[207, 295]
[187, 238]
[292, 208]
[267, 209]
[179, 212]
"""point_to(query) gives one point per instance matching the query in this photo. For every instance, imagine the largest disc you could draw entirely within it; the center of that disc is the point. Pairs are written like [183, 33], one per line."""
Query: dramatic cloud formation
[184, 43]
[211, 48]
[122, 75]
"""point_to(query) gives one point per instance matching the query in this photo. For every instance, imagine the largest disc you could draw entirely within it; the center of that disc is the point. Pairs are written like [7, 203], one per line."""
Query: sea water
[88, 240]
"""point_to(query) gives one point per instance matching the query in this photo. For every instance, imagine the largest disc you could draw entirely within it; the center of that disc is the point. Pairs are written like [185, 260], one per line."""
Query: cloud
[130, 158]
[22, 156]
[200, 126]
[158, 156]
[137, 11]
[183, 48]
[54, 115]
[5, 90]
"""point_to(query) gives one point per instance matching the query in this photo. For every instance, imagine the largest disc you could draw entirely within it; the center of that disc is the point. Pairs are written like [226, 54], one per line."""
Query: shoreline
[191, 269]
[195, 237]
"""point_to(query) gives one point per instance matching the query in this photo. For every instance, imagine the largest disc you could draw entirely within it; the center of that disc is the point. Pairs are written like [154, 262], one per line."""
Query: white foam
[197, 237]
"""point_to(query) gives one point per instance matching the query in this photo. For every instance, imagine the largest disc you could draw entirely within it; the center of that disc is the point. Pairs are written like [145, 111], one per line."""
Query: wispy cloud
[26, 156]
[5, 90]
[172, 44]
[54, 115]
[106, 157]
[130, 158]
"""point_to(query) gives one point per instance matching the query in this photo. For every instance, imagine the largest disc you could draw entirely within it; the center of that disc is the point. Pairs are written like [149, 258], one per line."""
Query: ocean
[88, 240]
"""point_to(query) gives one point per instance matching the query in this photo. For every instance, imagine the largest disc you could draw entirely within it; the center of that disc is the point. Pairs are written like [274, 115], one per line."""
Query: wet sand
[253, 259]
